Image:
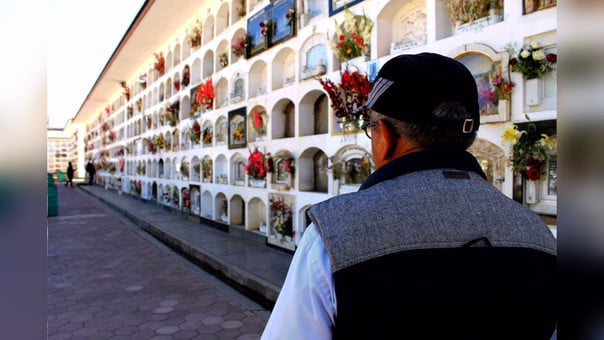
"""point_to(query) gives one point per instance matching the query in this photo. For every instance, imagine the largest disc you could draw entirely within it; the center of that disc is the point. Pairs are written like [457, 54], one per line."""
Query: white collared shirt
[306, 306]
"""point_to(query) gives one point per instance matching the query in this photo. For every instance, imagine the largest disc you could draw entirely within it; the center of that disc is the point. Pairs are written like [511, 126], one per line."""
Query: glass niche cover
[273, 24]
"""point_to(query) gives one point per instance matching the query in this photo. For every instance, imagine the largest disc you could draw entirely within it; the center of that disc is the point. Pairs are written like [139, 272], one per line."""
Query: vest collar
[441, 158]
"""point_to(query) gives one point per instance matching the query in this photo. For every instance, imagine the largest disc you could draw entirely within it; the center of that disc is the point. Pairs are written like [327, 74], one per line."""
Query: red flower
[340, 44]
[359, 40]
[342, 37]
[490, 94]
[552, 58]
[513, 61]
[533, 174]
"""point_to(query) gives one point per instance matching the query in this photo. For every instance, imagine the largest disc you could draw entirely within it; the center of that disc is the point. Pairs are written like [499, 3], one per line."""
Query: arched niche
[221, 208]
[176, 82]
[160, 193]
[161, 168]
[401, 25]
[154, 191]
[283, 122]
[186, 50]
[257, 122]
[491, 159]
[161, 93]
[237, 211]
[221, 170]
[155, 96]
[207, 169]
[485, 64]
[222, 89]
[238, 163]
[207, 133]
[185, 104]
[256, 215]
[175, 140]
[168, 86]
[313, 113]
[239, 34]
[177, 58]
[208, 64]
[283, 68]
[208, 30]
[169, 61]
[238, 88]
[222, 130]
[352, 164]
[313, 57]
[304, 221]
[312, 170]
[195, 201]
[258, 79]
[238, 10]
[207, 206]
[222, 18]
[195, 169]
[196, 71]
[154, 169]
[185, 169]
[222, 51]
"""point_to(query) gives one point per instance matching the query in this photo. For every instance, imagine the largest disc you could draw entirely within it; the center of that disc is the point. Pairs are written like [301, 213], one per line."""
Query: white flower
[534, 45]
[538, 55]
[525, 54]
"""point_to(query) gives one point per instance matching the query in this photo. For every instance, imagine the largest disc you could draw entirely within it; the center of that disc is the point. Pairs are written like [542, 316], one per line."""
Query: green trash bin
[53, 202]
[60, 176]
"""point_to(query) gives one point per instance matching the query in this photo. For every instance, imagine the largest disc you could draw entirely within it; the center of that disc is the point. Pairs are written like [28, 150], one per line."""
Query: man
[427, 248]
[91, 171]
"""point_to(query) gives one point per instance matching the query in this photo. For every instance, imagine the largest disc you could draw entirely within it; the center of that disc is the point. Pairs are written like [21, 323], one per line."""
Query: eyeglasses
[367, 126]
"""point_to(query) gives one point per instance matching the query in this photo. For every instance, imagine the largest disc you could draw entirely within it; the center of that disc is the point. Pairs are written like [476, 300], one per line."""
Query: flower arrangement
[159, 141]
[160, 63]
[136, 187]
[290, 16]
[166, 194]
[139, 105]
[256, 168]
[282, 217]
[126, 90]
[238, 134]
[194, 37]
[130, 111]
[176, 84]
[122, 164]
[532, 61]
[142, 80]
[352, 36]
[175, 198]
[106, 127]
[111, 136]
[529, 150]
[502, 87]
[286, 161]
[186, 198]
[206, 167]
[186, 76]
[141, 169]
[265, 27]
[207, 135]
[205, 94]
[223, 59]
[104, 153]
[195, 133]
[349, 94]
[149, 121]
[107, 110]
[184, 169]
[240, 46]
[259, 121]
[466, 11]
[171, 113]
[197, 168]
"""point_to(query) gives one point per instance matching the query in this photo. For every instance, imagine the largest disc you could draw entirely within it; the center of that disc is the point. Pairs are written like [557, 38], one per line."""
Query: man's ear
[387, 147]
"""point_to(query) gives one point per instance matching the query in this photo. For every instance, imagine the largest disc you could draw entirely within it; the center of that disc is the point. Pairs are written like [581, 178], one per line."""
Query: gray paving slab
[252, 266]
[107, 279]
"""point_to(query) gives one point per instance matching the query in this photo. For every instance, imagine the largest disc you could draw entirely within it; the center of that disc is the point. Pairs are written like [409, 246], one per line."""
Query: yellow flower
[547, 142]
[511, 135]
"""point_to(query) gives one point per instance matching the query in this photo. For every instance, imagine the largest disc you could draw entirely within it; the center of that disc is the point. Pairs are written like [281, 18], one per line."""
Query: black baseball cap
[410, 86]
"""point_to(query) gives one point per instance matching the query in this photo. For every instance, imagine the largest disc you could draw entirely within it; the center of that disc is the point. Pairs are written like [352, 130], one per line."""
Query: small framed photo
[372, 69]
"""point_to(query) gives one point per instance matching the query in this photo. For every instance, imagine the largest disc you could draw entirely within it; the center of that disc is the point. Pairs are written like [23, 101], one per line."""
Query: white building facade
[153, 135]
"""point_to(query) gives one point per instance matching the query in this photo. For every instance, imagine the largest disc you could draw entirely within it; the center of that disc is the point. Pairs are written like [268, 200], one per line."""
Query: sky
[82, 35]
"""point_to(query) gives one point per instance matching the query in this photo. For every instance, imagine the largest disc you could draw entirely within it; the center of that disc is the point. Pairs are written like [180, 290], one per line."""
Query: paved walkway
[109, 280]
[241, 258]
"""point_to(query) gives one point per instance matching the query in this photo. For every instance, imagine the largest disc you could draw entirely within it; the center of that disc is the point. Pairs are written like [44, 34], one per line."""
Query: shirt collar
[441, 158]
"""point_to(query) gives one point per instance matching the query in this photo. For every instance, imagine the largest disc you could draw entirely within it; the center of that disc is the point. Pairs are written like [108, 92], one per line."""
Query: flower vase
[504, 109]
[359, 62]
[531, 192]
[257, 183]
[534, 91]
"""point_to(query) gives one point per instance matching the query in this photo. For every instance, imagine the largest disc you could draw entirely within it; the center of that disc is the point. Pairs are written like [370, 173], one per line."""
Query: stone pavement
[238, 257]
[109, 280]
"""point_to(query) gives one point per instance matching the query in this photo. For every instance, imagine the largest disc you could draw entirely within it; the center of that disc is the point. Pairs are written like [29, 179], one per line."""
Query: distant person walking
[91, 171]
[70, 172]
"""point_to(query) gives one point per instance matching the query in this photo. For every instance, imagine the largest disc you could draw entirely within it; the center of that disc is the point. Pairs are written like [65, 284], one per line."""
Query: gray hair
[430, 135]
